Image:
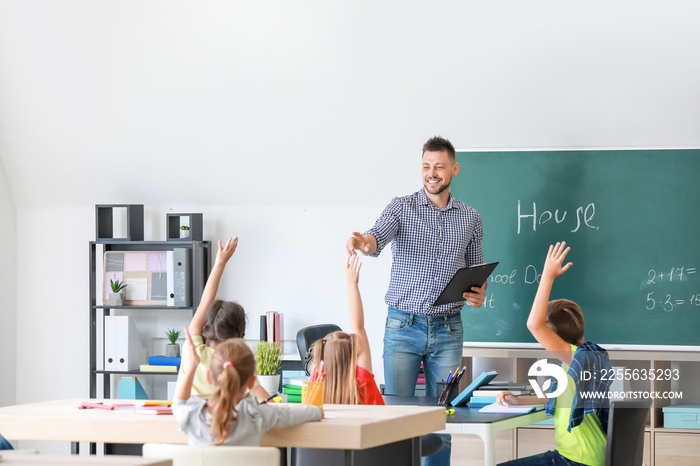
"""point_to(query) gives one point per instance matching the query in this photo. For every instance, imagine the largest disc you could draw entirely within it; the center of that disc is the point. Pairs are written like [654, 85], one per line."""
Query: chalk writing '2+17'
[586, 215]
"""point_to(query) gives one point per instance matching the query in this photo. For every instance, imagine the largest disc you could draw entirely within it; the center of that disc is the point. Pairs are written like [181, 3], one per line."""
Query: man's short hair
[439, 144]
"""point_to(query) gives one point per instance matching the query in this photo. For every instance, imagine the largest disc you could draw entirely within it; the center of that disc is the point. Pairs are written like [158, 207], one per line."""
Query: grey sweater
[252, 420]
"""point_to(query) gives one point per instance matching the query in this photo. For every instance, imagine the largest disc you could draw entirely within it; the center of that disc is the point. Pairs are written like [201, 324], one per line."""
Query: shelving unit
[200, 268]
[661, 446]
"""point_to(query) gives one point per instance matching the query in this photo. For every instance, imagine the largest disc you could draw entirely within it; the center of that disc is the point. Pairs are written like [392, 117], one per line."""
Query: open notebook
[510, 409]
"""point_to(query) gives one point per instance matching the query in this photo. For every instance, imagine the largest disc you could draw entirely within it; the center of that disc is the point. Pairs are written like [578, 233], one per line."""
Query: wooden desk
[10, 458]
[345, 427]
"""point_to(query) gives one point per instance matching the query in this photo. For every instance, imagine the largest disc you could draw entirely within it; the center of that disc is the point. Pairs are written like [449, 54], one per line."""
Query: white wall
[291, 124]
[8, 293]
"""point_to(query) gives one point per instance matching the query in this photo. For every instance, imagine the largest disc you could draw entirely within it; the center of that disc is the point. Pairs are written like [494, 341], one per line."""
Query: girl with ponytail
[346, 357]
[230, 417]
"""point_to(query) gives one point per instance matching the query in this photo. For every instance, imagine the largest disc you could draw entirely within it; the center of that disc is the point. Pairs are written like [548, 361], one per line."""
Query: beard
[438, 189]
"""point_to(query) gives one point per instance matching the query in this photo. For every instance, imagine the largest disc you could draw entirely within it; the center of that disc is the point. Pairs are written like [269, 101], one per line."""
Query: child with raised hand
[346, 357]
[347, 361]
[216, 321]
[580, 422]
[229, 417]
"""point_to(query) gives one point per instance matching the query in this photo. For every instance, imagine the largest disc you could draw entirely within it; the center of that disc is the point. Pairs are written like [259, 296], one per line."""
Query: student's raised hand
[352, 269]
[553, 264]
[357, 241]
[193, 361]
[476, 299]
[226, 251]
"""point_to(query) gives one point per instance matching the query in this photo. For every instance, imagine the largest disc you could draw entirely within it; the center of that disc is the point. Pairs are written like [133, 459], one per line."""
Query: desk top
[350, 427]
[10, 458]
[462, 415]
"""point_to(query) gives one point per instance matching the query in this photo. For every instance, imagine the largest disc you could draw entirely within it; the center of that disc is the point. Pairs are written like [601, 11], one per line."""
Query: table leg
[415, 451]
[489, 439]
[349, 458]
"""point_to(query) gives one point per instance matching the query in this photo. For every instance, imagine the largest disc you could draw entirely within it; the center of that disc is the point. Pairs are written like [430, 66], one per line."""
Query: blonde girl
[346, 358]
[229, 417]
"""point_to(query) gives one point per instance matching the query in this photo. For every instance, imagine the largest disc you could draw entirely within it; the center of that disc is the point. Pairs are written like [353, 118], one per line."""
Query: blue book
[473, 404]
[163, 361]
[483, 378]
[482, 399]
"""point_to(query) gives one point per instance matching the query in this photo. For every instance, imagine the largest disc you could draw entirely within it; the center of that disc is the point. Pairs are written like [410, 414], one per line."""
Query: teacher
[432, 235]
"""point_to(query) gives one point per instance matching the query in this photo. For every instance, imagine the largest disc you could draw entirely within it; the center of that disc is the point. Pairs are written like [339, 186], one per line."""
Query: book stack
[271, 327]
[516, 388]
[154, 410]
[291, 386]
[161, 364]
[421, 376]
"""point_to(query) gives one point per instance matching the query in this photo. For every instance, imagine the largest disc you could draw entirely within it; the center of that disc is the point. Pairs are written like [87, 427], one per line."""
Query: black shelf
[135, 372]
[151, 307]
[201, 267]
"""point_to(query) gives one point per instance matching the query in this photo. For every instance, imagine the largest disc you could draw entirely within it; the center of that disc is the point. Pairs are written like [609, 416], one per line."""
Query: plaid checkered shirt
[428, 246]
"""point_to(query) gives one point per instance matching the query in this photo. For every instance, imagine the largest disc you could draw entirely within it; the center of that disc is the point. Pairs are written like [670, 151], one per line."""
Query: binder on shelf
[172, 385]
[182, 276]
[122, 346]
[270, 326]
[278, 327]
[263, 327]
[170, 278]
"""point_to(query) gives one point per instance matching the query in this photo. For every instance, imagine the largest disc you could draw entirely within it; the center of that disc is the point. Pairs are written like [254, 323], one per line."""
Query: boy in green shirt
[580, 422]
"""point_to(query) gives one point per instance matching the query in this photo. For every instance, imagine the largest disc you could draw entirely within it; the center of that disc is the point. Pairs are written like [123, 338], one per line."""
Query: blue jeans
[549, 458]
[410, 339]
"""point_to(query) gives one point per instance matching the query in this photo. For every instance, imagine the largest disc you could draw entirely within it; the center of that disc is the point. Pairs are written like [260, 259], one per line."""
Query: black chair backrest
[307, 336]
[626, 425]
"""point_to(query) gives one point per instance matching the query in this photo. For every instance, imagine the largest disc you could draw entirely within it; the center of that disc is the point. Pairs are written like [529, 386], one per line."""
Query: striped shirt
[428, 245]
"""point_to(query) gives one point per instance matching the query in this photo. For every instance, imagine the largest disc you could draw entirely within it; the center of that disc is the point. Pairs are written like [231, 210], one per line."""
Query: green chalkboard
[632, 219]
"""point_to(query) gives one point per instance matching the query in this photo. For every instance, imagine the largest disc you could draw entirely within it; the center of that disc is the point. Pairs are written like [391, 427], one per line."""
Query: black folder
[463, 280]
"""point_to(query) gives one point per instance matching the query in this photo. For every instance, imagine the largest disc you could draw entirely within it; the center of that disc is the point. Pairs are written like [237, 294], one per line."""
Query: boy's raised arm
[357, 315]
[537, 321]
[209, 294]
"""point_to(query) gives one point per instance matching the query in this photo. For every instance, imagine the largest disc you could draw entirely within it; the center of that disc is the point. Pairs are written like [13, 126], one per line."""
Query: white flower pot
[172, 351]
[184, 233]
[271, 383]
[116, 299]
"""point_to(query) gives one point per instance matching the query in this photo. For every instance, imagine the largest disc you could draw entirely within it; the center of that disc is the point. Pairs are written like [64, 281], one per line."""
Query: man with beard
[432, 235]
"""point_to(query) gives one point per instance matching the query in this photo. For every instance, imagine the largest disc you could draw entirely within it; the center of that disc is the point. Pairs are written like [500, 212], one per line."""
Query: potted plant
[268, 358]
[184, 231]
[116, 297]
[172, 350]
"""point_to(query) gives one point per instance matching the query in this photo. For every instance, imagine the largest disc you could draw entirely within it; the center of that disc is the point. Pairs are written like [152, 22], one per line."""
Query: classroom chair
[187, 455]
[307, 336]
[626, 423]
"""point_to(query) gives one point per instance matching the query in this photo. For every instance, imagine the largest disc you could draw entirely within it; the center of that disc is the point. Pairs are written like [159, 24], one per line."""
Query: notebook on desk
[495, 408]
